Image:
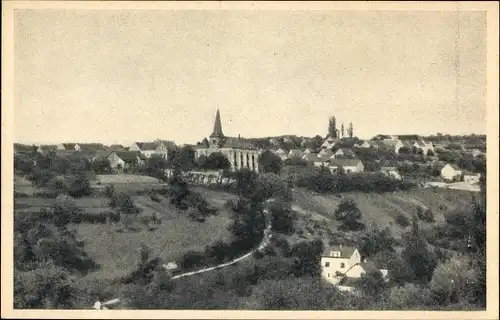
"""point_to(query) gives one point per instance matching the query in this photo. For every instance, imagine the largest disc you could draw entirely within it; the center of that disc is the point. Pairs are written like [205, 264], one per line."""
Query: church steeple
[217, 133]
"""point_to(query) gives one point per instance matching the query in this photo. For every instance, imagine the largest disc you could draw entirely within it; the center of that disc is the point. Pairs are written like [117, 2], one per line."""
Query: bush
[192, 259]
[402, 220]
[425, 215]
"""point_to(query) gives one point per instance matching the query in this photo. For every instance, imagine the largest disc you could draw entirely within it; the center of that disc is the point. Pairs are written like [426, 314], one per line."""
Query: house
[305, 142]
[391, 172]
[68, 146]
[124, 159]
[308, 151]
[326, 153]
[340, 262]
[287, 140]
[365, 145]
[89, 147]
[147, 149]
[476, 153]
[472, 177]
[348, 165]
[392, 144]
[295, 153]
[279, 152]
[451, 172]
[344, 152]
[329, 143]
[424, 146]
[274, 142]
[46, 148]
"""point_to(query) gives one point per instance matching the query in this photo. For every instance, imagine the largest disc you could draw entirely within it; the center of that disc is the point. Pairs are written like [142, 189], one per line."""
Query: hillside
[377, 209]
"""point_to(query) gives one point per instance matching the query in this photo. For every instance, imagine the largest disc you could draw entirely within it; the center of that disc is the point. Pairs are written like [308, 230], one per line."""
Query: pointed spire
[217, 133]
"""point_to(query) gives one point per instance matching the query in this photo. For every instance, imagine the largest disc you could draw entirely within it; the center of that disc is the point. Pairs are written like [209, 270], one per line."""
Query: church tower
[217, 136]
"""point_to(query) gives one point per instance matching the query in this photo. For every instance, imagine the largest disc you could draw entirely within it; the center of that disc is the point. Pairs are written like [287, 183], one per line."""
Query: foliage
[409, 296]
[417, 255]
[348, 213]
[282, 217]
[402, 220]
[47, 287]
[453, 281]
[269, 162]
[377, 241]
[372, 283]
[307, 258]
[425, 215]
[217, 161]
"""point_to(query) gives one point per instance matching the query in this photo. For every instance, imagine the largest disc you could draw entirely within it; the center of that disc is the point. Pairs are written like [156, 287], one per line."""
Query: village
[425, 161]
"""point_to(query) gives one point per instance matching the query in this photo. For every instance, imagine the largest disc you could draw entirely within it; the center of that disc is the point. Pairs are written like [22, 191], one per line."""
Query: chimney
[239, 136]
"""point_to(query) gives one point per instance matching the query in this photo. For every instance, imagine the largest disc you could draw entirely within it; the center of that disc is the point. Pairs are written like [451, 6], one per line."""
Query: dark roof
[345, 252]
[91, 146]
[169, 144]
[147, 145]
[64, 153]
[217, 133]
[237, 143]
[69, 145]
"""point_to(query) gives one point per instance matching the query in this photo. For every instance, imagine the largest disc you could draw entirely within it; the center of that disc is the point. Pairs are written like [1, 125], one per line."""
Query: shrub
[425, 215]
[402, 220]
[192, 259]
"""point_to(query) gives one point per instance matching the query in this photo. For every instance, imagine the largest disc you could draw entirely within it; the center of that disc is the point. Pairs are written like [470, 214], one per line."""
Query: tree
[217, 161]
[281, 217]
[246, 182]
[453, 281]
[342, 131]
[145, 252]
[126, 205]
[269, 162]
[101, 165]
[348, 213]
[332, 127]
[372, 283]
[181, 158]
[201, 162]
[47, 287]
[350, 131]
[419, 258]
[430, 153]
[409, 296]
[377, 241]
[307, 258]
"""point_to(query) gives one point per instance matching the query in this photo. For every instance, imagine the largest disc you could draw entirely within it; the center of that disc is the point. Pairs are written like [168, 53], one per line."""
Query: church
[241, 154]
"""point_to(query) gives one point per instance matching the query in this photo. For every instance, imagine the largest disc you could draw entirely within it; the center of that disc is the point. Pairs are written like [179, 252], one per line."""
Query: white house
[343, 152]
[274, 142]
[365, 145]
[149, 148]
[329, 143]
[349, 165]
[451, 172]
[424, 146]
[124, 159]
[338, 262]
[325, 153]
[391, 172]
[296, 153]
[68, 146]
[392, 144]
[472, 178]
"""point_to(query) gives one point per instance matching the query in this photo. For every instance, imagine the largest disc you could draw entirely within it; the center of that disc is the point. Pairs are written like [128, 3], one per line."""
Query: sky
[119, 76]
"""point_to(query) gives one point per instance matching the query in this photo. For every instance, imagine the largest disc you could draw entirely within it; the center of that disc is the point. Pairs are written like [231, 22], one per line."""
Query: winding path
[263, 244]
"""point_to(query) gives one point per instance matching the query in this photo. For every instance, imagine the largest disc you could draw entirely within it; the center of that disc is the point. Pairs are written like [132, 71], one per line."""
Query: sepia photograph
[246, 156]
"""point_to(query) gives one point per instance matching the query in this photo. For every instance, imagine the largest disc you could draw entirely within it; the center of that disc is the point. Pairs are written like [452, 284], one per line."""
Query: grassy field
[381, 209]
[117, 252]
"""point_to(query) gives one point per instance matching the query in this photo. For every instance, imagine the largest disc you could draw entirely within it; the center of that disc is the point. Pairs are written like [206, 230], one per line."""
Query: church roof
[237, 143]
[217, 133]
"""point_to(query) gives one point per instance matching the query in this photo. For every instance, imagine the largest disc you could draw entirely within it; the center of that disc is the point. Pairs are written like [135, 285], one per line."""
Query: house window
[327, 264]
[342, 265]
[335, 254]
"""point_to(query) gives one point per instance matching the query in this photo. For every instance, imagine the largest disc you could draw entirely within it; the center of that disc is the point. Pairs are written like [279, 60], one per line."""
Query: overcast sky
[124, 76]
